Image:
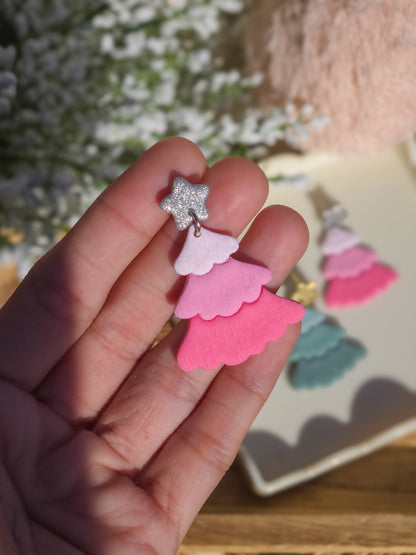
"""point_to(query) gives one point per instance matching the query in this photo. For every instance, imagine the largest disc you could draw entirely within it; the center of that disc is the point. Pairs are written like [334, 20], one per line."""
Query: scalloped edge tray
[301, 434]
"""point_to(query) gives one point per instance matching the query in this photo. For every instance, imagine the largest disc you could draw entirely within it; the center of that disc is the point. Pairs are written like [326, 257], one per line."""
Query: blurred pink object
[338, 239]
[359, 289]
[349, 263]
[216, 293]
[353, 60]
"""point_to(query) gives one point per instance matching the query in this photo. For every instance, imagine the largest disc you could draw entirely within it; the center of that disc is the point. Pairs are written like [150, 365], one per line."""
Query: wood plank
[384, 478]
[367, 505]
[302, 533]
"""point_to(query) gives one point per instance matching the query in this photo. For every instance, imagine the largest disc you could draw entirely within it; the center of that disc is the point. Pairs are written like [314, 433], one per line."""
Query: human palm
[106, 446]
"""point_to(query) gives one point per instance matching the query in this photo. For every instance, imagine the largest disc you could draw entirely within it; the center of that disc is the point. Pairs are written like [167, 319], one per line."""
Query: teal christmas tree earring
[323, 353]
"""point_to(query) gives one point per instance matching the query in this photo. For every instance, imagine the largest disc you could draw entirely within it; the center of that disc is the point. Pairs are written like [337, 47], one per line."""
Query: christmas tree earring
[323, 353]
[353, 272]
[231, 315]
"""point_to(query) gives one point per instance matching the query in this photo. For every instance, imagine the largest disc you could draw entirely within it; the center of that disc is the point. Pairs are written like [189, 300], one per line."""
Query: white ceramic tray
[301, 434]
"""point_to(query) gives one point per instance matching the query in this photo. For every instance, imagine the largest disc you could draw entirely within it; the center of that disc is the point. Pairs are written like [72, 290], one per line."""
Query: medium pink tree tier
[354, 273]
[231, 315]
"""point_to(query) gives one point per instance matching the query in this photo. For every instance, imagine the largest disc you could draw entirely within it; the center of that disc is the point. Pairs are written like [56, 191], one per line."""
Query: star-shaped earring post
[334, 216]
[306, 292]
[184, 198]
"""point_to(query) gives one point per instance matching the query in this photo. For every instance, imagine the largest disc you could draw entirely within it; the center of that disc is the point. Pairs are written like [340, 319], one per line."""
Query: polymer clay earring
[231, 314]
[323, 353]
[353, 272]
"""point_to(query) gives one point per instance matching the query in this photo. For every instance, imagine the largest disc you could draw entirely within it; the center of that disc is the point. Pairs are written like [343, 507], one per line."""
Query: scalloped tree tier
[221, 291]
[359, 289]
[231, 340]
[326, 369]
[323, 353]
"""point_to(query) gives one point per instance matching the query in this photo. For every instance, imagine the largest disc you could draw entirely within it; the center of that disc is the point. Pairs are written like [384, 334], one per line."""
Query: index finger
[65, 290]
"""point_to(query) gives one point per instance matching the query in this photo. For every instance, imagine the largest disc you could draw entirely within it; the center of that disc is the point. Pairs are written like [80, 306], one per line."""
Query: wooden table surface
[366, 506]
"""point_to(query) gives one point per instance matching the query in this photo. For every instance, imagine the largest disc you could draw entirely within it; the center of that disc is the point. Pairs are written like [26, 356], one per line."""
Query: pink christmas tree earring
[353, 272]
[231, 315]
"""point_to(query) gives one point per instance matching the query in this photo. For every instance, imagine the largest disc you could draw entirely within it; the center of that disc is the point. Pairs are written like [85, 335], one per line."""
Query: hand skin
[107, 447]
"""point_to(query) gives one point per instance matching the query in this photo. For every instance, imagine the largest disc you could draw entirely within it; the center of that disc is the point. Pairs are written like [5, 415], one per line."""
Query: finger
[137, 307]
[203, 447]
[158, 396]
[63, 293]
[194, 459]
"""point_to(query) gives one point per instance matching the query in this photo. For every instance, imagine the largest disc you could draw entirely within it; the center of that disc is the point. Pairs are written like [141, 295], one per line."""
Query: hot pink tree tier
[354, 273]
[231, 315]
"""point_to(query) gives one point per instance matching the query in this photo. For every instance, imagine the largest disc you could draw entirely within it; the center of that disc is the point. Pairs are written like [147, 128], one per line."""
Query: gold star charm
[184, 198]
[305, 293]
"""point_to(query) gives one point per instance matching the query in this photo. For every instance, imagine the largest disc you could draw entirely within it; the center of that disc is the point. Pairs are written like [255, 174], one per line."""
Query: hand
[107, 447]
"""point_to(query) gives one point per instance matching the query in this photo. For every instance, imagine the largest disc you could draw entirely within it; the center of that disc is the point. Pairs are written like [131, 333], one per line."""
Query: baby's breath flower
[85, 87]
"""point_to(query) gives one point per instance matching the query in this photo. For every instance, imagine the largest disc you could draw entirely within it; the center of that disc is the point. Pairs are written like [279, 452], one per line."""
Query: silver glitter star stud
[334, 216]
[186, 198]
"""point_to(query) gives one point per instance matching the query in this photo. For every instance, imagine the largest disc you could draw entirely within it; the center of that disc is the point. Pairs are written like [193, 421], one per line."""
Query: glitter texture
[335, 215]
[185, 197]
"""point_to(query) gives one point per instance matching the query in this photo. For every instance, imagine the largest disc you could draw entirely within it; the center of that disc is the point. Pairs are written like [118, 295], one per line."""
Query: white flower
[306, 111]
[231, 6]
[229, 129]
[319, 122]
[135, 44]
[198, 60]
[107, 43]
[221, 79]
[142, 15]
[104, 21]
[164, 94]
